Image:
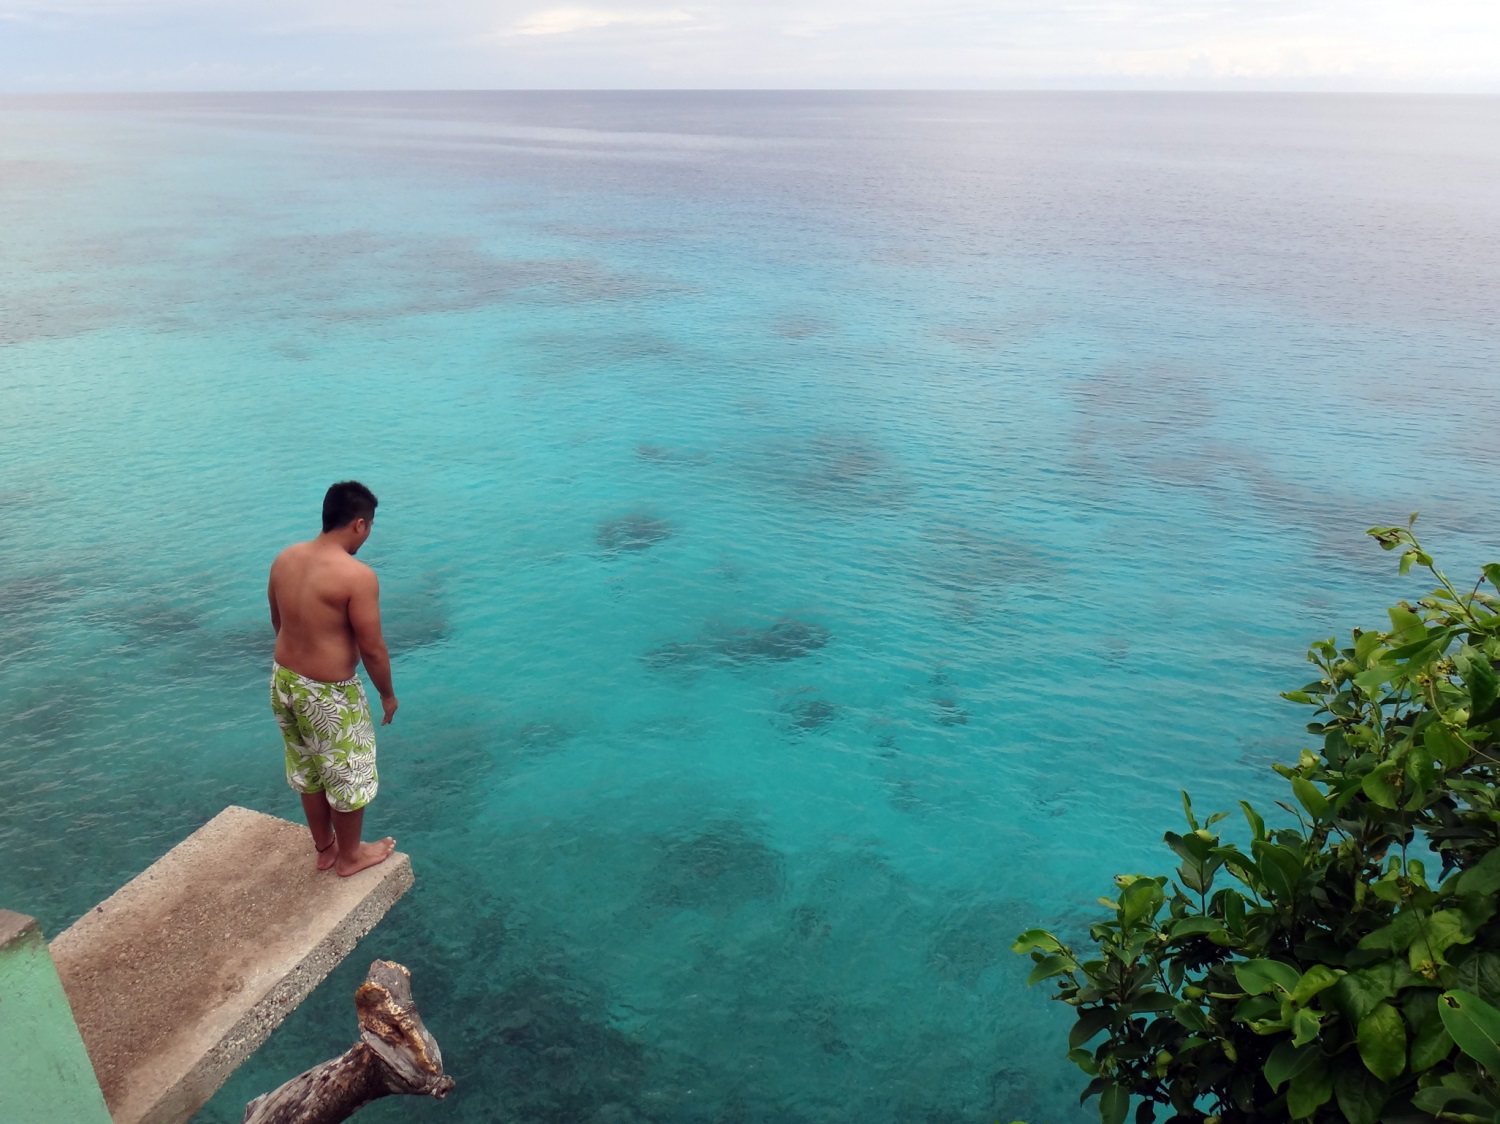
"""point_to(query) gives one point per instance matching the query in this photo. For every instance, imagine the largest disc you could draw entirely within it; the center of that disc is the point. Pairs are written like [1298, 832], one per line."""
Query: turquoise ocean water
[819, 534]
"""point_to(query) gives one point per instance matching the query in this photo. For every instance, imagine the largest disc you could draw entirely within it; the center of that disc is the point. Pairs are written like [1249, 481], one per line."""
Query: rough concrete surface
[14, 926]
[179, 976]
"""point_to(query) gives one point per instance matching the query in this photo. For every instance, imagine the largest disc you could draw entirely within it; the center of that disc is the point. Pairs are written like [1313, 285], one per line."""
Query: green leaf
[1479, 678]
[1388, 889]
[1309, 1090]
[1252, 817]
[1091, 1020]
[1453, 1103]
[1309, 797]
[1258, 977]
[1152, 1002]
[1378, 673]
[1382, 1042]
[1360, 1096]
[1286, 1061]
[1199, 861]
[1477, 909]
[1084, 1061]
[1419, 769]
[1036, 938]
[1190, 1015]
[1474, 1025]
[1241, 867]
[1430, 1047]
[1483, 877]
[1187, 810]
[1445, 746]
[1357, 994]
[1406, 626]
[1397, 936]
[1114, 1103]
[1435, 937]
[1318, 978]
[1281, 869]
[1255, 1009]
[1234, 911]
[1377, 785]
[1305, 1027]
[1424, 648]
[1141, 899]
[1192, 926]
[1192, 847]
[1480, 974]
[1049, 966]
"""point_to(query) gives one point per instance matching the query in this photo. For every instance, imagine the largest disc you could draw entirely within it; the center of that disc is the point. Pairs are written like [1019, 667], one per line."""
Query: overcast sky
[1439, 45]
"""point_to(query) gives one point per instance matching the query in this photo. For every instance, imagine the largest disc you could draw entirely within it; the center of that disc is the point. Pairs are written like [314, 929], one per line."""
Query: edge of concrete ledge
[183, 972]
[16, 927]
[201, 1082]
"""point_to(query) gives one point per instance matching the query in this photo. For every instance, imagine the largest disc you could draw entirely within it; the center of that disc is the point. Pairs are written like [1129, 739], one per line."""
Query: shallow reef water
[819, 534]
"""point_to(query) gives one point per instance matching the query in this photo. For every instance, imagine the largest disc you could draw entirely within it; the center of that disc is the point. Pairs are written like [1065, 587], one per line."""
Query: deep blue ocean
[819, 534]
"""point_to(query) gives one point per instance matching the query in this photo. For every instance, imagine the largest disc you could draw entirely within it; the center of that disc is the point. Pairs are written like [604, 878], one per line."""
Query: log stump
[395, 1055]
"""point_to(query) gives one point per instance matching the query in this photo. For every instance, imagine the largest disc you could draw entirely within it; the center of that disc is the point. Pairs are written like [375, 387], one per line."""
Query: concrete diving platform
[181, 974]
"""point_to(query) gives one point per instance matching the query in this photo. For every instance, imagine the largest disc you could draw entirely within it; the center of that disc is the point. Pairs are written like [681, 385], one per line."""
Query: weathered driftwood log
[395, 1054]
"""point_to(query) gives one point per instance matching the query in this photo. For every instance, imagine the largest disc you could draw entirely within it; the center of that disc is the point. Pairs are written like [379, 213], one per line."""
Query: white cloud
[565, 21]
[1280, 58]
[1354, 44]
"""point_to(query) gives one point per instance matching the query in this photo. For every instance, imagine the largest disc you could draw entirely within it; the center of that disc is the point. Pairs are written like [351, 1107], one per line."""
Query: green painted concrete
[45, 1075]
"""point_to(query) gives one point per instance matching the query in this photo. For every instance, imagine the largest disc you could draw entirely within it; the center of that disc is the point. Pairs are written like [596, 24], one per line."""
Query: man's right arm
[364, 618]
[271, 597]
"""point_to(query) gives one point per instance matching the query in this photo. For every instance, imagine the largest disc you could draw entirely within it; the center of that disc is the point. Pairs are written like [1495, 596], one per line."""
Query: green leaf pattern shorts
[330, 740]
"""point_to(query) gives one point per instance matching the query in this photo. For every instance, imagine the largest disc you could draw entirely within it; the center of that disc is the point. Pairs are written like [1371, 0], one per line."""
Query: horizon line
[1284, 91]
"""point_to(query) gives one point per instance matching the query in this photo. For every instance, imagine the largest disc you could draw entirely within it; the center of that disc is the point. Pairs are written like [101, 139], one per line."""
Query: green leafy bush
[1344, 969]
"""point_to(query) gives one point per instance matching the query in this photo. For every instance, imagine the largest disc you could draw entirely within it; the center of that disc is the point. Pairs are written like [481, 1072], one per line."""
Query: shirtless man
[325, 608]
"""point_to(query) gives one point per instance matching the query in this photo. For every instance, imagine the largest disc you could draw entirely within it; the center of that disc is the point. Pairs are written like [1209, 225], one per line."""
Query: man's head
[348, 511]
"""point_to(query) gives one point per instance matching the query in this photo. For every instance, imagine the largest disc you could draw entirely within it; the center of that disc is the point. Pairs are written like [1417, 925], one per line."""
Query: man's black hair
[345, 502]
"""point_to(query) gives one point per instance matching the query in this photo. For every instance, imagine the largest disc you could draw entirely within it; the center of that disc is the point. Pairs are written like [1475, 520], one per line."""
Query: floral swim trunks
[330, 740]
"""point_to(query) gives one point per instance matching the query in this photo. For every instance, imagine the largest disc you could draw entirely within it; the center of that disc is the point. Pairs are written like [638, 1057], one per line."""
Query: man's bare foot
[370, 854]
[327, 856]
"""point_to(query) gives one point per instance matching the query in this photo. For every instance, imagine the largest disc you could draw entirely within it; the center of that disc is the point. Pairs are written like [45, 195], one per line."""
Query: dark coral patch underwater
[631, 533]
[715, 870]
[949, 712]
[660, 454]
[807, 714]
[782, 641]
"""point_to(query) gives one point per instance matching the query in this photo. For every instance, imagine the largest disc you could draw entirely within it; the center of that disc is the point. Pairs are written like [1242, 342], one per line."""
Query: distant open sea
[819, 534]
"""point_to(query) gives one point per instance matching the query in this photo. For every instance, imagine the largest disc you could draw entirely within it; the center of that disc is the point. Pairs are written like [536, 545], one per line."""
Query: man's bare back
[325, 608]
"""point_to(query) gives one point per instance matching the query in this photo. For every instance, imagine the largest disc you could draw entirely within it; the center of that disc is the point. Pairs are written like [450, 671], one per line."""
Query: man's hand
[389, 703]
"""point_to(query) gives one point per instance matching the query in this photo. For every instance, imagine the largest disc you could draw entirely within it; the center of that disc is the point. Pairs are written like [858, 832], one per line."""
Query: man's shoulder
[287, 554]
[356, 581]
[357, 572]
